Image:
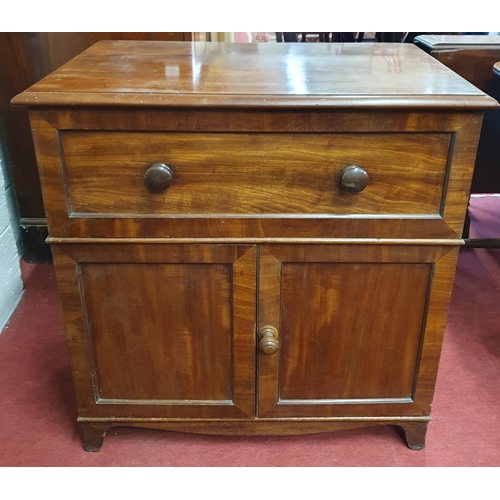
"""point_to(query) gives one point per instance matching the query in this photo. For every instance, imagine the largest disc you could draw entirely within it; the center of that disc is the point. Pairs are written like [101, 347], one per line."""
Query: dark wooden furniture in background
[387, 37]
[494, 131]
[473, 57]
[25, 58]
[321, 37]
[241, 249]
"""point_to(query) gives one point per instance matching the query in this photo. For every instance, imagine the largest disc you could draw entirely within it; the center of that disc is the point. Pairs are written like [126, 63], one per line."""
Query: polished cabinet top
[127, 73]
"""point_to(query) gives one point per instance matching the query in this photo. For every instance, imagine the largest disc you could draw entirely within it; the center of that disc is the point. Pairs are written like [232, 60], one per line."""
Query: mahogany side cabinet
[254, 238]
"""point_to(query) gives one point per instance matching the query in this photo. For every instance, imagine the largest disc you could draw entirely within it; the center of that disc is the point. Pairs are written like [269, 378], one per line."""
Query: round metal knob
[268, 343]
[354, 179]
[158, 177]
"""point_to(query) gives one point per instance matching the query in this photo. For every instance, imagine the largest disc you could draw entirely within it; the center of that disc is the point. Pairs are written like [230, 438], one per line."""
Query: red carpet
[37, 407]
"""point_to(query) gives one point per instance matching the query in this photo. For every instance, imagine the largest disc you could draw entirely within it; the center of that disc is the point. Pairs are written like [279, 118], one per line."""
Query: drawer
[253, 174]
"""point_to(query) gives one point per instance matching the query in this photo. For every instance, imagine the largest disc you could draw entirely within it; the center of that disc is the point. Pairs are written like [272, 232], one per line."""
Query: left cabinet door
[160, 330]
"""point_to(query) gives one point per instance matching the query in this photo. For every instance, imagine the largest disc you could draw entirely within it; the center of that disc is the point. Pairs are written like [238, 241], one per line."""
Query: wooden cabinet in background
[254, 239]
[473, 57]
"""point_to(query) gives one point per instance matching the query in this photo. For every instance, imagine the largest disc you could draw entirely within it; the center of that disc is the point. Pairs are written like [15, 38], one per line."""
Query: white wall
[11, 285]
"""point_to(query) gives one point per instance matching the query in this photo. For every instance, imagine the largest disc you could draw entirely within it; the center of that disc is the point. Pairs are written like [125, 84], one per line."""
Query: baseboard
[34, 233]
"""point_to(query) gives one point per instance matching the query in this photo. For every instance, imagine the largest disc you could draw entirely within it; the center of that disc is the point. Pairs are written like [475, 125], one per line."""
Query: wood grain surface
[165, 293]
[353, 323]
[160, 330]
[253, 173]
[336, 133]
[264, 75]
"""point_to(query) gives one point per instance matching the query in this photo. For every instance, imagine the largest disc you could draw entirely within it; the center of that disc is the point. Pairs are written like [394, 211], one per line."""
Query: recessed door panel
[155, 332]
[350, 330]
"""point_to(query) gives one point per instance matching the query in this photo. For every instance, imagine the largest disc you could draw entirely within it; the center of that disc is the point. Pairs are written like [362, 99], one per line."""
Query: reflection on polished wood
[496, 69]
[262, 75]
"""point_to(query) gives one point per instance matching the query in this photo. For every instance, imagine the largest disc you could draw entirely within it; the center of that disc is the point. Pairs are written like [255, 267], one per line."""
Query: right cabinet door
[359, 328]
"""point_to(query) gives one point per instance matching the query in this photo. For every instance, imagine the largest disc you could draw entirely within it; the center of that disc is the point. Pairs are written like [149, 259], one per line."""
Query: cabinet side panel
[46, 139]
[66, 270]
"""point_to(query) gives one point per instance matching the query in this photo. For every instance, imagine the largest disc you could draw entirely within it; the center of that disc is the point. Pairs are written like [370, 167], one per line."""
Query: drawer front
[253, 174]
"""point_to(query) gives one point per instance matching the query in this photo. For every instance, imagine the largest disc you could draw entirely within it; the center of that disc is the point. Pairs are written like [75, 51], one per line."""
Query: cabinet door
[359, 328]
[159, 330]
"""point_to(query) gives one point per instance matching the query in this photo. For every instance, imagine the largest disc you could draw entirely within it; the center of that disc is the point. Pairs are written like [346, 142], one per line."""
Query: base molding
[34, 232]
[414, 428]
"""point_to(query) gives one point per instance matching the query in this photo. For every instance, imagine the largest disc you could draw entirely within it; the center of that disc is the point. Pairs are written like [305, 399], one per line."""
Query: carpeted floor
[37, 406]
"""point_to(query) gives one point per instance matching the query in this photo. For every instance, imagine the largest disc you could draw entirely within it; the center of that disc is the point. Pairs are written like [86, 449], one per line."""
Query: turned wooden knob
[268, 343]
[354, 179]
[158, 177]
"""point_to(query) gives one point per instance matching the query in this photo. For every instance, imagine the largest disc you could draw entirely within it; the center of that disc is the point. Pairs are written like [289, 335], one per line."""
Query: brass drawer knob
[354, 179]
[268, 343]
[158, 177]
